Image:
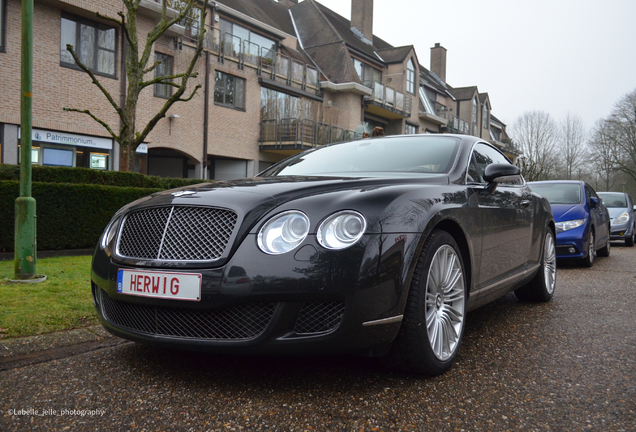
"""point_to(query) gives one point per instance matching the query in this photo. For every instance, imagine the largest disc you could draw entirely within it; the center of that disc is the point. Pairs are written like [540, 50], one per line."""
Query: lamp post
[25, 231]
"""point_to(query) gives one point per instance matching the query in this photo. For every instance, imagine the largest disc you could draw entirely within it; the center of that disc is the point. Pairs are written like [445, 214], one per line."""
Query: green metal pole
[25, 216]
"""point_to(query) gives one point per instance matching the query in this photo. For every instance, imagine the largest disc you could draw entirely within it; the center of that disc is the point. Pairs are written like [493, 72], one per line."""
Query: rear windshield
[558, 193]
[613, 200]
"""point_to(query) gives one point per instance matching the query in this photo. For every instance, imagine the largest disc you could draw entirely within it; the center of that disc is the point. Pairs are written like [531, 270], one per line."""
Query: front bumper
[309, 301]
[622, 231]
[572, 243]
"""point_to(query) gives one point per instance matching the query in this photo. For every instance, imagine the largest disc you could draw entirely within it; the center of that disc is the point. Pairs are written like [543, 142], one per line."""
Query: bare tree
[622, 123]
[536, 135]
[127, 134]
[572, 144]
[603, 153]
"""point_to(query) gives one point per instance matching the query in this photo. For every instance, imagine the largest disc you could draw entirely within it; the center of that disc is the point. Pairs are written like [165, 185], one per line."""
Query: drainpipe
[206, 107]
[122, 97]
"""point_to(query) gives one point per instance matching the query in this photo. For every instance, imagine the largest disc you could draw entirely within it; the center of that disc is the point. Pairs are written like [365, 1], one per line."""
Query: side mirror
[500, 173]
[594, 202]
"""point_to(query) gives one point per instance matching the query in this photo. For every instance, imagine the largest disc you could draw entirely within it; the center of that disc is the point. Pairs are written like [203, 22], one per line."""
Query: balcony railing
[297, 133]
[390, 98]
[457, 125]
[270, 64]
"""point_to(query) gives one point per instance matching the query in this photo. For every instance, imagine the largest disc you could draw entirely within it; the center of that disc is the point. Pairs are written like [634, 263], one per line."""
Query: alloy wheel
[549, 263]
[445, 302]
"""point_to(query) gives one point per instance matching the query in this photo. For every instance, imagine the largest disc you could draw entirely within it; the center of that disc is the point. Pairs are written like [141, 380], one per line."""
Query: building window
[229, 90]
[164, 68]
[255, 41]
[475, 106]
[410, 77]
[486, 115]
[368, 75]
[95, 45]
[410, 129]
[3, 24]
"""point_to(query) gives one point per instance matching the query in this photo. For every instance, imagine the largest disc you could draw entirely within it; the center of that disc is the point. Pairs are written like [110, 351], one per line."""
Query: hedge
[46, 174]
[69, 216]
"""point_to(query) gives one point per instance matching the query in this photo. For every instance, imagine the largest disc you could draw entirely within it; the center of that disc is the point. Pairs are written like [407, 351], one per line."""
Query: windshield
[559, 193]
[416, 155]
[613, 200]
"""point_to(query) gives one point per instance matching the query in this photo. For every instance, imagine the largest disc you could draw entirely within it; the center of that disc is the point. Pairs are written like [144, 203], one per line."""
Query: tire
[629, 241]
[435, 313]
[541, 287]
[605, 250]
[588, 261]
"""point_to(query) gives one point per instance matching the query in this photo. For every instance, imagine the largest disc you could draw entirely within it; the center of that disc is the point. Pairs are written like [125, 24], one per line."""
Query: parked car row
[586, 222]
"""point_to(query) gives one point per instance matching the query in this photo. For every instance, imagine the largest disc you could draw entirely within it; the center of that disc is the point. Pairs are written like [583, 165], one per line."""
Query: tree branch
[94, 117]
[99, 85]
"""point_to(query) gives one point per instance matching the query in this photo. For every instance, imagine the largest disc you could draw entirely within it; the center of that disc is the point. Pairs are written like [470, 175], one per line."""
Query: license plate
[175, 286]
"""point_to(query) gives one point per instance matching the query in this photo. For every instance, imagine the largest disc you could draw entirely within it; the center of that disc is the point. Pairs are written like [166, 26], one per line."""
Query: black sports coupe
[378, 246]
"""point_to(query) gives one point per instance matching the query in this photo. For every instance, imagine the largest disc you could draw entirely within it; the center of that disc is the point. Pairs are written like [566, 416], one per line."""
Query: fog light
[622, 233]
[572, 250]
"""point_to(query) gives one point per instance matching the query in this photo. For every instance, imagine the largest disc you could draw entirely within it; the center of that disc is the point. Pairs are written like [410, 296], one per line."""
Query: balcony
[153, 9]
[293, 135]
[432, 111]
[458, 126]
[388, 102]
[276, 69]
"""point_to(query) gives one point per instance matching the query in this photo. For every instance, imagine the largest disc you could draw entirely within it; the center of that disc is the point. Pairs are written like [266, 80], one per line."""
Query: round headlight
[341, 230]
[283, 232]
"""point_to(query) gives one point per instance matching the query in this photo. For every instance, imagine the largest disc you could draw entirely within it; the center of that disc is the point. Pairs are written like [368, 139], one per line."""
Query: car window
[559, 193]
[614, 200]
[484, 155]
[414, 155]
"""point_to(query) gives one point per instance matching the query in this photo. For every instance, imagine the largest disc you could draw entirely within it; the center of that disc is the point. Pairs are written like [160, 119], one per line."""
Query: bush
[69, 216]
[46, 174]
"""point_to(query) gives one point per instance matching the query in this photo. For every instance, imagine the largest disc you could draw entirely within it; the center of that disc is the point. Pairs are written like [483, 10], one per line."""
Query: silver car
[621, 210]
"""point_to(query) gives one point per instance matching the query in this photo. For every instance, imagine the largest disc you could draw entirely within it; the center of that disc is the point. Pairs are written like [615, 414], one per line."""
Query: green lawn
[61, 302]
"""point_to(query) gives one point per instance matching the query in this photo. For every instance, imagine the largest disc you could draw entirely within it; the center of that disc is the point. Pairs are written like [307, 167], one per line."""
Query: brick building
[276, 78]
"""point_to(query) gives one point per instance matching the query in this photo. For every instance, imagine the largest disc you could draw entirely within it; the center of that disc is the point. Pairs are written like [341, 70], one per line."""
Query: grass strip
[61, 302]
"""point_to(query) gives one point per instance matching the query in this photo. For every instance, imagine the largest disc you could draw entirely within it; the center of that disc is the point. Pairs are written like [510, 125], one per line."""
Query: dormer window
[410, 77]
[486, 116]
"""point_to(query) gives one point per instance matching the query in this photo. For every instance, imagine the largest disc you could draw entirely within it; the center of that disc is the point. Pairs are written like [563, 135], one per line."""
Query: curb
[30, 350]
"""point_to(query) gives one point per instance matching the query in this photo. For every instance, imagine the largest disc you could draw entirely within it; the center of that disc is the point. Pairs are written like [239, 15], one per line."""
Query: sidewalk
[51, 346]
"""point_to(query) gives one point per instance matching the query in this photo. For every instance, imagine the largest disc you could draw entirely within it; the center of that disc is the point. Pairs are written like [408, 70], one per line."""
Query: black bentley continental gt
[378, 247]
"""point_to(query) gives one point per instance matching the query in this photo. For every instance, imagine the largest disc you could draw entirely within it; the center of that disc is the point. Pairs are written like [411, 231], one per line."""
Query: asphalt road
[569, 365]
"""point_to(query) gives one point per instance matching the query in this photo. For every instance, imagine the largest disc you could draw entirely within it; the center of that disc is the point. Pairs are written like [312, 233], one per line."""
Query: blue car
[582, 221]
[621, 210]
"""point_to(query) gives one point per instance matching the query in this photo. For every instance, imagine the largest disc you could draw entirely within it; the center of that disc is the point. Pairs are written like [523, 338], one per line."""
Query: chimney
[288, 3]
[438, 61]
[362, 19]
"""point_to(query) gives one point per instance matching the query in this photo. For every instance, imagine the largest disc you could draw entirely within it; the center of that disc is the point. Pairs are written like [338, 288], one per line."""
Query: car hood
[566, 212]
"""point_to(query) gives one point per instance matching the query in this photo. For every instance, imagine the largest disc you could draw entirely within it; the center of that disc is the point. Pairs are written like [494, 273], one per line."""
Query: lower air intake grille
[319, 317]
[242, 322]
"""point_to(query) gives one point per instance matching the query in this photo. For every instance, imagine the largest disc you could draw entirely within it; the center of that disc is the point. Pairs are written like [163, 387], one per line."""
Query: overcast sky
[548, 55]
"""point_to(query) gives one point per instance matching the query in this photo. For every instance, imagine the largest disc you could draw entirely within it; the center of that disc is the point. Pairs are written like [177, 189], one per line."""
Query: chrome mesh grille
[319, 317]
[176, 233]
[242, 322]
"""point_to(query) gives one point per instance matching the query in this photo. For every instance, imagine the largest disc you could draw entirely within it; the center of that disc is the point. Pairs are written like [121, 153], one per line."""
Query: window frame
[3, 25]
[413, 128]
[367, 69]
[486, 116]
[97, 26]
[410, 77]
[475, 111]
[235, 78]
[166, 93]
